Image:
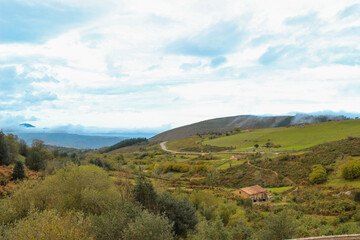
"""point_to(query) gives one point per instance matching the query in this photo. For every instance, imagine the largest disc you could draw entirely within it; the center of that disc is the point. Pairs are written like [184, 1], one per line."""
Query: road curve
[163, 147]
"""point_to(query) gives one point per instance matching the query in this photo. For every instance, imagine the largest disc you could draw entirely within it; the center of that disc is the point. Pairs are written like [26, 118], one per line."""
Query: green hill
[226, 124]
[289, 138]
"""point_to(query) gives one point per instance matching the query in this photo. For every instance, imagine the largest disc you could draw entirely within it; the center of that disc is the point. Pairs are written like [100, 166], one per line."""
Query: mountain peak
[26, 125]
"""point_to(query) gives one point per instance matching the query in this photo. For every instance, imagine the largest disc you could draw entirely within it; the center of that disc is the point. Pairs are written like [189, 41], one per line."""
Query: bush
[212, 231]
[351, 170]
[19, 171]
[81, 188]
[111, 224]
[357, 196]
[318, 174]
[50, 225]
[280, 226]
[85, 188]
[148, 226]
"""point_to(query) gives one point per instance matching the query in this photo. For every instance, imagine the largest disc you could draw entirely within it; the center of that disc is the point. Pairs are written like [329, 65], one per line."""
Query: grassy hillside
[227, 124]
[290, 138]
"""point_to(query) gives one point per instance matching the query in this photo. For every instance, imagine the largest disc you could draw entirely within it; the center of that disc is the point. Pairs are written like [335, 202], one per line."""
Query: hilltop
[222, 125]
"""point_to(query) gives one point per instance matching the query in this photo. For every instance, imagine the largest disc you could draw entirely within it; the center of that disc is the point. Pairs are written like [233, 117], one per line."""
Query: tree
[256, 145]
[19, 170]
[22, 147]
[13, 146]
[35, 159]
[280, 226]
[214, 230]
[318, 174]
[149, 226]
[180, 211]
[237, 129]
[144, 192]
[4, 150]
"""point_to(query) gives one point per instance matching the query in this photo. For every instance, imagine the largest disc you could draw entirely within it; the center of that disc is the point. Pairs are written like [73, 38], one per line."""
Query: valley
[304, 176]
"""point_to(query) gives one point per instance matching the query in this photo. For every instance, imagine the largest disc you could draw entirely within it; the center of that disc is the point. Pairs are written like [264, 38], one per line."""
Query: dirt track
[163, 147]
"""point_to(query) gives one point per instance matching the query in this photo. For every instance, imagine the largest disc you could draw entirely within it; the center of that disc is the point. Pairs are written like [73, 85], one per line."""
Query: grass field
[290, 138]
[335, 179]
[279, 189]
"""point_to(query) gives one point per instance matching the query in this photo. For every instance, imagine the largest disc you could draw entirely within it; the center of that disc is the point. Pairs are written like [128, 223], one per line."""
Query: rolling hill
[289, 138]
[221, 125]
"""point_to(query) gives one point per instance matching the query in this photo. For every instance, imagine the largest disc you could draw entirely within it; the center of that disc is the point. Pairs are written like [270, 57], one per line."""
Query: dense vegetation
[140, 192]
[124, 143]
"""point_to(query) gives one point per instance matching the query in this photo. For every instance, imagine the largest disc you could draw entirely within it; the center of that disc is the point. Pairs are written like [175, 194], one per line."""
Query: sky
[156, 65]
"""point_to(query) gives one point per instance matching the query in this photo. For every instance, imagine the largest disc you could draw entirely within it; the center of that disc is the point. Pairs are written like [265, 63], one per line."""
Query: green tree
[318, 174]
[110, 225]
[4, 150]
[144, 192]
[279, 226]
[22, 147]
[19, 170]
[180, 211]
[148, 226]
[35, 159]
[13, 145]
[214, 230]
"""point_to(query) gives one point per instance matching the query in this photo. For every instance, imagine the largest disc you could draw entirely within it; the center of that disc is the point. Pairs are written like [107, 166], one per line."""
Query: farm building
[236, 157]
[256, 193]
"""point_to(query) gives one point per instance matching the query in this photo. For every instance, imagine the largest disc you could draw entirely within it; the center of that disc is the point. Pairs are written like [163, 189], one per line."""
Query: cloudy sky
[161, 64]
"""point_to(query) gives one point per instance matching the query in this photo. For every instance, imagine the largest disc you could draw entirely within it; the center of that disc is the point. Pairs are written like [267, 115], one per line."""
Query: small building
[236, 157]
[256, 193]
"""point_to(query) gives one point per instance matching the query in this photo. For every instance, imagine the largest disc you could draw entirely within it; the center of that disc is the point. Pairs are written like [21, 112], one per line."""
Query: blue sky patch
[25, 22]
[217, 40]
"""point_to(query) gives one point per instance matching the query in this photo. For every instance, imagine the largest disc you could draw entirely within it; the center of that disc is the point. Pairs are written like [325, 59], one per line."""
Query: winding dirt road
[163, 147]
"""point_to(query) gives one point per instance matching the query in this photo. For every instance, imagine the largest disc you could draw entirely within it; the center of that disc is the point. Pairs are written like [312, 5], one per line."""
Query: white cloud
[101, 67]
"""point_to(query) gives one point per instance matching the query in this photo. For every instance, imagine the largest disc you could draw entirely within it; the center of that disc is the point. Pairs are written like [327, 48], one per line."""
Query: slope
[289, 138]
[221, 125]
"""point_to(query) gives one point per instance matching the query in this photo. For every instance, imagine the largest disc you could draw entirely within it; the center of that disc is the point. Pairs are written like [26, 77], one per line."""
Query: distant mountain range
[221, 125]
[70, 140]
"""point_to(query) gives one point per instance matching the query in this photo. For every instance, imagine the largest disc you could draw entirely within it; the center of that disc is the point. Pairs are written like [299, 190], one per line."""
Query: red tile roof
[253, 190]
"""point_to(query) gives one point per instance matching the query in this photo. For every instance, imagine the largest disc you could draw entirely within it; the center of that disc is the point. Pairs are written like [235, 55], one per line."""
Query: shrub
[81, 188]
[19, 171]
[85, 188]
[357, 196]
[212, 231]
[225, 210]
[351, 170]
[111, 224]
[50, 225]
[280, 226]
[318, 174]
[148, 226]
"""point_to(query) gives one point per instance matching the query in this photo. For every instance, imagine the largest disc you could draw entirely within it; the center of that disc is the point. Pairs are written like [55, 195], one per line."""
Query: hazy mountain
[26, 125]
[70, 140]
[244, 122]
